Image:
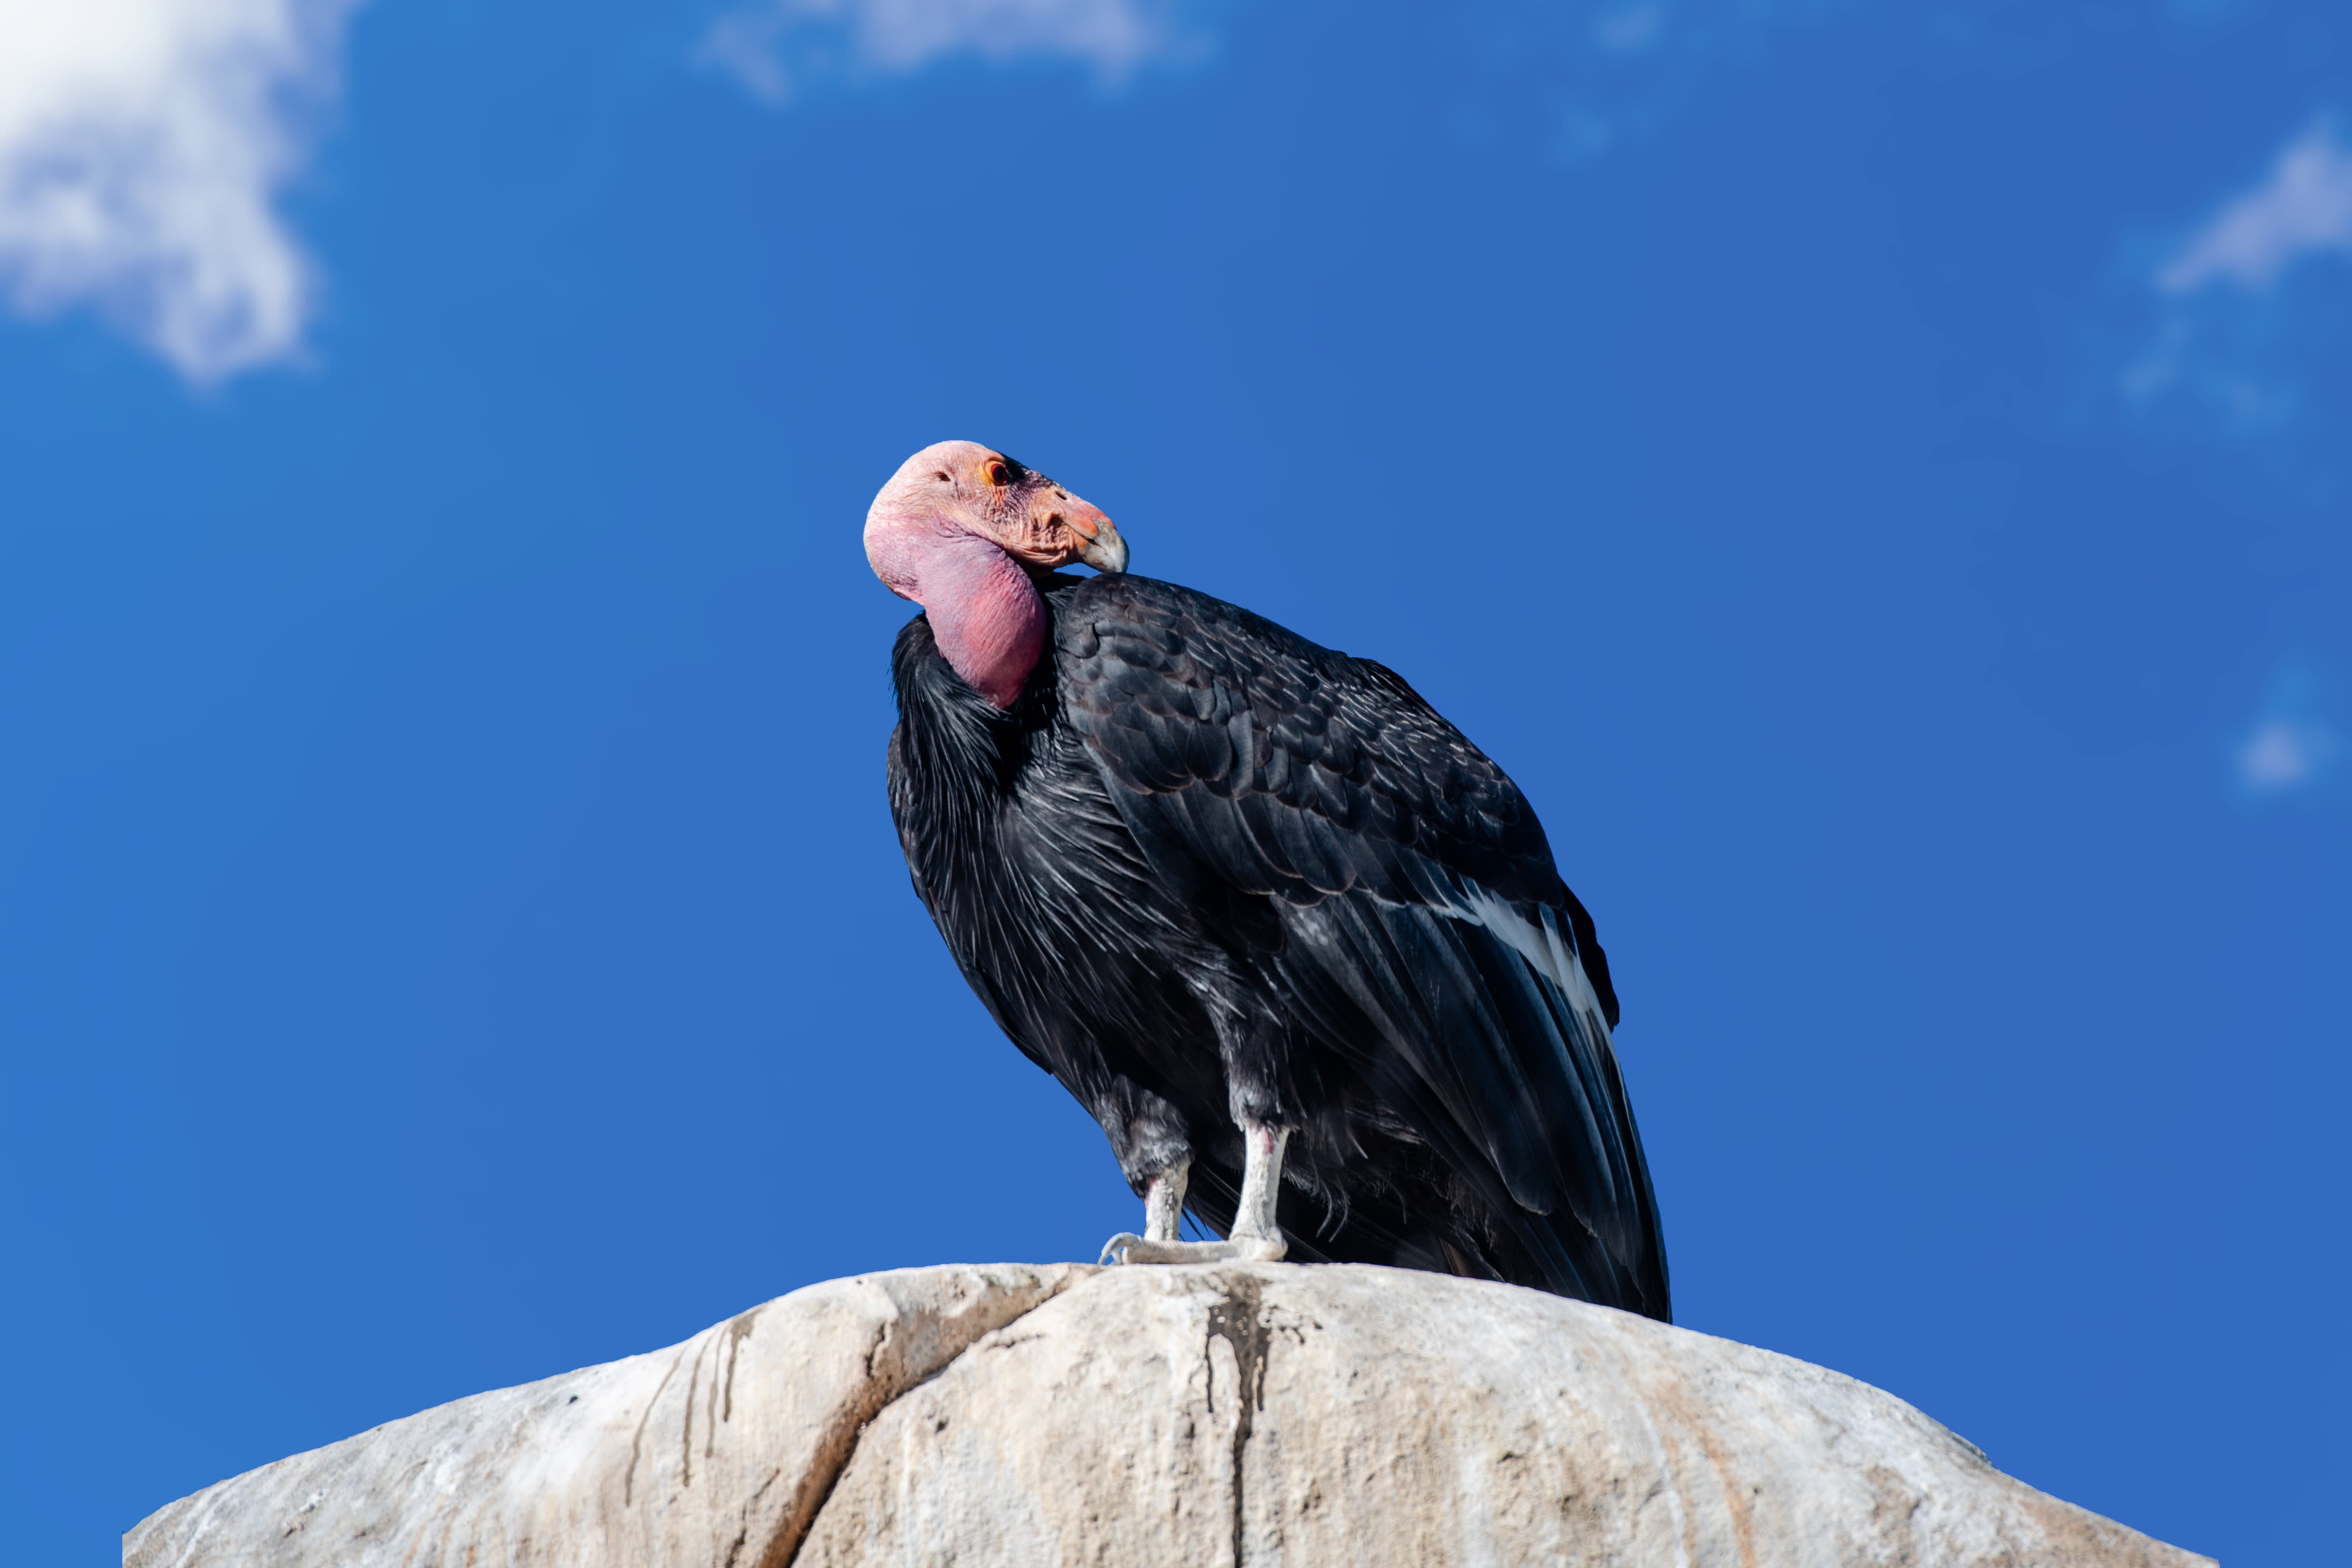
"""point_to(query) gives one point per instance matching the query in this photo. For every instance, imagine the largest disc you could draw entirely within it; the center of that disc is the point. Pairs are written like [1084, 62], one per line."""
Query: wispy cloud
[777, 48]
[2291, 746]
[1598, 73]
[2301, 209]
[2228, 334]
[142, 144]
[1609, 72]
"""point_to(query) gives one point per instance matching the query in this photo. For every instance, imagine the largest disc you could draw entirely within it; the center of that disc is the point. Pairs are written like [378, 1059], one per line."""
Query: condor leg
[1255, 1237]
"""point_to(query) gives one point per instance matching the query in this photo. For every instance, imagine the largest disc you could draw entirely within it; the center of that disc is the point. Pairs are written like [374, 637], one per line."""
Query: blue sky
[1876, 473]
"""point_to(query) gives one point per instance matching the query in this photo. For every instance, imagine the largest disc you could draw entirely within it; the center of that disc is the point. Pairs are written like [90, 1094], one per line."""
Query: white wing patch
[1542, 946]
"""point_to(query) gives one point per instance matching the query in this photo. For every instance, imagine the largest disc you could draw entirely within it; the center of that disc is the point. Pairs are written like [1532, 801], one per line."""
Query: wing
[902, 817]
[1321, 816]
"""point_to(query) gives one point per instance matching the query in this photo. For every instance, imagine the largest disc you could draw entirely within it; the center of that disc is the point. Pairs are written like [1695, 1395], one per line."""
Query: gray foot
[1129, 1247]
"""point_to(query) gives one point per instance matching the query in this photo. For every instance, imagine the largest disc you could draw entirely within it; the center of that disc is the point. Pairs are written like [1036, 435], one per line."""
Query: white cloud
[141, 142]
[2303, 208]
[2282, 755]
[2233, 335]
[2291, 745]
[777, 46]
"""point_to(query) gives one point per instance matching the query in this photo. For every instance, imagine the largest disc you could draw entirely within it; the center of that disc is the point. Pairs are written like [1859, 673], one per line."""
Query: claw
[1129, 1247]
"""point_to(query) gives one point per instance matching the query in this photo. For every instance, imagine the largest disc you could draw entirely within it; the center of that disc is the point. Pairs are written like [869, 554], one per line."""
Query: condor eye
[998, 473]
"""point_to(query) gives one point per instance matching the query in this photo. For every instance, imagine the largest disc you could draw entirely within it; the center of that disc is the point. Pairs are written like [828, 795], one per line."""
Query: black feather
[1205, 865]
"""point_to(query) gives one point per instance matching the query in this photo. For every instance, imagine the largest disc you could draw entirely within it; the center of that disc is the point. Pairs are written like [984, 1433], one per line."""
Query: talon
[1127, 1247]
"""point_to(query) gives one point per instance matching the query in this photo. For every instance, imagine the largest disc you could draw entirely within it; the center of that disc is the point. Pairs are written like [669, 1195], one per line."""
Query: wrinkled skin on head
[962, 489]
[960, 530]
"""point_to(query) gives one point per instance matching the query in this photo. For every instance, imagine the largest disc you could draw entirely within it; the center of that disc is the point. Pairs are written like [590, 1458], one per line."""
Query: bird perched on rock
[1293, 941]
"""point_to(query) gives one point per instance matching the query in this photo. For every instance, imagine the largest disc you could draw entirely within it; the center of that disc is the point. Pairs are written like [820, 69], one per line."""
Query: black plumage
[1205, 869]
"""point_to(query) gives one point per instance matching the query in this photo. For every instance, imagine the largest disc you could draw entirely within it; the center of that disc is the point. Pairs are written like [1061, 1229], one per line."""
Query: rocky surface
[1260, 1413]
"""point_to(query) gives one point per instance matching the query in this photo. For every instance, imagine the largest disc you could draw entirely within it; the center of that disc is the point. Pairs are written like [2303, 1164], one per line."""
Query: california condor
[1294, 942]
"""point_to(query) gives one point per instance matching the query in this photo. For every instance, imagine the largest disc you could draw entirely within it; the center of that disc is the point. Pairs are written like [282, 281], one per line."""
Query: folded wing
[1322, 818]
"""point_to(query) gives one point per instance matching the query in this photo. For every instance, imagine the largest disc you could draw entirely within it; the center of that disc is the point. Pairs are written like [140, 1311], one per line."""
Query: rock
[1257, 1413]
[720, 1450]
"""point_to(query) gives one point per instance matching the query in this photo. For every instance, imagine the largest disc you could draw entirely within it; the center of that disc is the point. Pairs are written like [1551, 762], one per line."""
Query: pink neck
[986, 614]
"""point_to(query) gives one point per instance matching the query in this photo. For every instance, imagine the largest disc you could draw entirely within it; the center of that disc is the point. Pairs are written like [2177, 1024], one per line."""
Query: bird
[1297, 945]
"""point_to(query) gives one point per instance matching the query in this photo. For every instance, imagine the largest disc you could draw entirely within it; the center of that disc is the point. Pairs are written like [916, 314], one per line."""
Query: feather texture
[1206, 869]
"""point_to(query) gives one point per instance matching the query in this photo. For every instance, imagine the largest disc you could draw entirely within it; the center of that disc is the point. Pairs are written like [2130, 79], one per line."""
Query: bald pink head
[958, 530]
